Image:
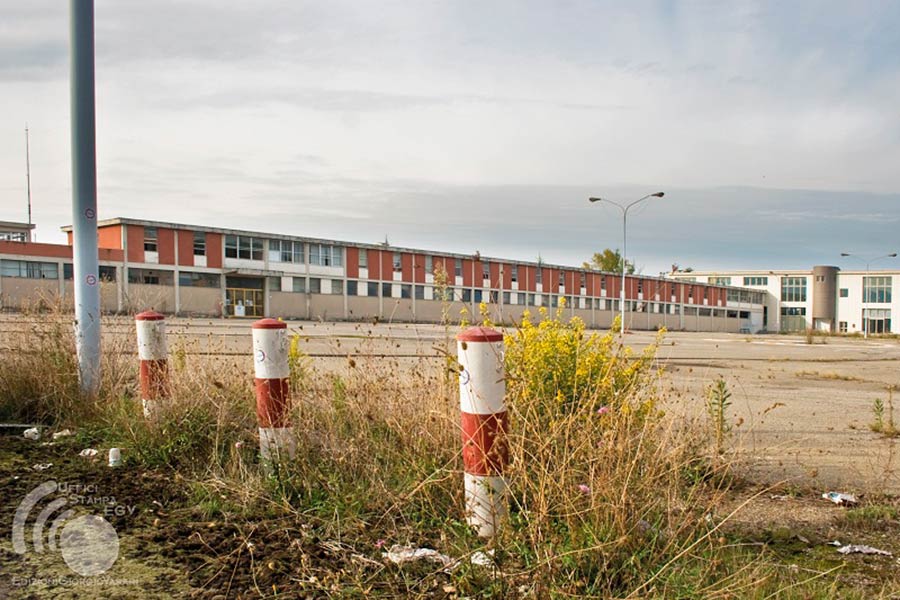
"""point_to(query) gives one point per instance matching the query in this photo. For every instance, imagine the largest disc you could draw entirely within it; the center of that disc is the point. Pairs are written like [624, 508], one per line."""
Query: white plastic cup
[115, 457]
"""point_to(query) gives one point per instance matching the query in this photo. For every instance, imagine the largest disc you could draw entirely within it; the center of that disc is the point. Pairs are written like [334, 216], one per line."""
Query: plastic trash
[42, 466]
[400, 555]
[115, 457]
[482, 559]
[33, 434]
[88, 453]
[62, 434]
[840, 498]
[860, 549]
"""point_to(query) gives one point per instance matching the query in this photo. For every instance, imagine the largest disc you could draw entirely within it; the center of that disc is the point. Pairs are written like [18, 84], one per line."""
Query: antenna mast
[28, 172]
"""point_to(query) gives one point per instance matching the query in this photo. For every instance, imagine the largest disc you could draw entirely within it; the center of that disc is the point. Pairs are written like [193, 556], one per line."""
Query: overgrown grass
[608, 496]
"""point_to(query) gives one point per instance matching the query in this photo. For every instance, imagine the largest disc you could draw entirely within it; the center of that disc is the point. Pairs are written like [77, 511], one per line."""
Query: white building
[824, 298]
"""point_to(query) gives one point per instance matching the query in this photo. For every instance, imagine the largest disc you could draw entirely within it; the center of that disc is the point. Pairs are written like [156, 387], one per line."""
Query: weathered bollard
[273, 390]
[482, 388]
[151, 337]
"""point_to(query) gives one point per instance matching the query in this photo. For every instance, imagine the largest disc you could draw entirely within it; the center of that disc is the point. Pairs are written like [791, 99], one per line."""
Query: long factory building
[194, 270]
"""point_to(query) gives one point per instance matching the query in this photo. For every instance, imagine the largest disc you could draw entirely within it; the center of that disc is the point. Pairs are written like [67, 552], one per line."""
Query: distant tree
[609, 261]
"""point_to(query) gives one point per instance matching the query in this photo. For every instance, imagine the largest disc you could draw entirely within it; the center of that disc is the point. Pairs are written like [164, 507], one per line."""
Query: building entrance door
[244, 297]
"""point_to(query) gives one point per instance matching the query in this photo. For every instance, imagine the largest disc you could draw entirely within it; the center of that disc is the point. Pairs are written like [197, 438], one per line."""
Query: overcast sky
[773, 128]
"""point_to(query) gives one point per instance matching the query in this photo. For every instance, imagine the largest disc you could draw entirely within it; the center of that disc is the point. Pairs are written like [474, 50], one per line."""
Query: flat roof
[16, 225]
[280, 236]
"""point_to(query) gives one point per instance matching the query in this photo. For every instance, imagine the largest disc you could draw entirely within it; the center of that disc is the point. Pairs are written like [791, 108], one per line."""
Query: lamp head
[595, 199]
[892, 255]
[845, 254]
[658, 194]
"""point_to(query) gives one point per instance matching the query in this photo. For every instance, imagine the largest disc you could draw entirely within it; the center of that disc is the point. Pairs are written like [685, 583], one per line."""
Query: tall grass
[608, 496]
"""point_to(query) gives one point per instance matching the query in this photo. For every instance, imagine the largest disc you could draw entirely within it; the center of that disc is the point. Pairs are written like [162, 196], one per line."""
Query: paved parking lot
[804, 409]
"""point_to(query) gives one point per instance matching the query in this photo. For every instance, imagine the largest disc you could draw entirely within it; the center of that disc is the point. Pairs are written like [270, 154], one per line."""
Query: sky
[772, 127]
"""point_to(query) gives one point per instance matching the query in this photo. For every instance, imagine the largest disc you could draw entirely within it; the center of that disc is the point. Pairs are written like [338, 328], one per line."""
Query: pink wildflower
[379, 543]
[602, 410]
[584, 489]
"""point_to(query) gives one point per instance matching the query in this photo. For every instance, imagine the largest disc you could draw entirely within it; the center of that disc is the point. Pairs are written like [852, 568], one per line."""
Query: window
[151, 277]
[398, 263]
[751, 281]
[720, 280]
[405, 291]
[199, 243]
[372, 289]
[640, 287]
[386, 290]
[793, 289]
[562, 279]
[505, 297]
[793, 311]
[13, 236]
[352, 288]
[285, 251]
[457, 269]
[429, 265]
[583, 283]
[337, 286]
[844, 292]
[150, 239]
[478, 296]
[603, 283]
[539, 275]
[192, 279]
[842, 326]
[241, 246]
[877, 289]
[29, 269]
[298, 285]
[485, 270]
[363, 258]
[705, 293]
[325, 255]
[514, 273]
[107, 273]
[877, 320]
[315, 285]
[420, 292]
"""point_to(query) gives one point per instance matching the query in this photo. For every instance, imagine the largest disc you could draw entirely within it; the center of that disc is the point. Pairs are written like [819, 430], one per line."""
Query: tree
[609, 261]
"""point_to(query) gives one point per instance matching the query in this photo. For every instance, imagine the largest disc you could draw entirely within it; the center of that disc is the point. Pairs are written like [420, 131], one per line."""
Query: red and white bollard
[273, 390]
[482, 388]
[152, 351]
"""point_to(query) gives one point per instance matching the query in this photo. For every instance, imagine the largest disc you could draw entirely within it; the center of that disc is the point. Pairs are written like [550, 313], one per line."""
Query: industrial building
[824, 298]
[196, 270]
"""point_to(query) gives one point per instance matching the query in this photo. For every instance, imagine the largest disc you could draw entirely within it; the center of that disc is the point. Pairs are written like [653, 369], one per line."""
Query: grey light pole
[868, 262]
[84, 195]
[624, 208]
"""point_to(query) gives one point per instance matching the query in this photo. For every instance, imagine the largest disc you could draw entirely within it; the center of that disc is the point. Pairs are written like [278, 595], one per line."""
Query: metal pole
[624, 254]
[28, 174]
[865, 305]
[84, 195]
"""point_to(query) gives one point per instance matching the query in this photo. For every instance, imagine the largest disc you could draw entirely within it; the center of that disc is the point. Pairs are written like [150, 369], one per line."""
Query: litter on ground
[858, 549]
[840, 498]
[32, 434]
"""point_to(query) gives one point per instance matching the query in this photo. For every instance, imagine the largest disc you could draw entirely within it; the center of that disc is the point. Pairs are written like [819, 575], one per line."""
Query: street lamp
[624, 208]
[868, 262]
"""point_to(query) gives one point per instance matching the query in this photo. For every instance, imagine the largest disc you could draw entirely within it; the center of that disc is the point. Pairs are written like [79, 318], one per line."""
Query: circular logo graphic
[260, 355]
[89, 545]
[89, 213]
[91, 279]
[463, 377]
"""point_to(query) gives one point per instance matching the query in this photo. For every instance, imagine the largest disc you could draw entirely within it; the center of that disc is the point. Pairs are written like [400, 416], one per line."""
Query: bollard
[273, 391]
[151, 336]
[484, 426]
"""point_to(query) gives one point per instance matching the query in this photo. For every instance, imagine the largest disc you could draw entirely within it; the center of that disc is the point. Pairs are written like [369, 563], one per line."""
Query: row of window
[151, 241]
[47, 270]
